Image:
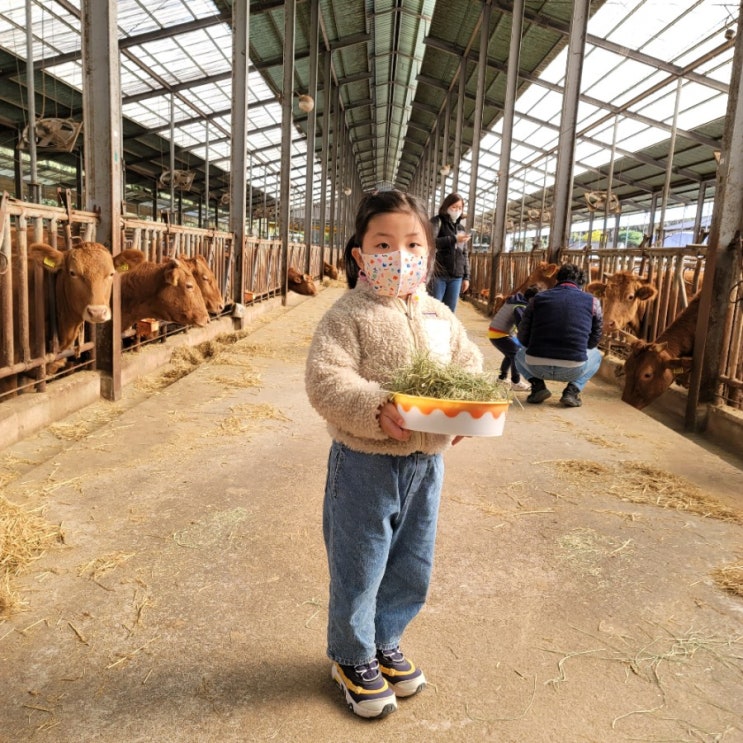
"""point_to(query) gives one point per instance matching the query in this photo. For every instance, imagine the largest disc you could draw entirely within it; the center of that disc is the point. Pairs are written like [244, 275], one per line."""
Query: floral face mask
[394, 274]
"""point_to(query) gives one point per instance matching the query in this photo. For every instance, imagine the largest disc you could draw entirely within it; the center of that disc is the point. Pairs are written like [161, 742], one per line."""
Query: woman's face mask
[455, 213]
[396, 273]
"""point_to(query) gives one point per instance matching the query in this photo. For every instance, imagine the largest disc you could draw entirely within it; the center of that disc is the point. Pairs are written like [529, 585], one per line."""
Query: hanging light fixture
[347, 191]
[445, 170]
[306, 103]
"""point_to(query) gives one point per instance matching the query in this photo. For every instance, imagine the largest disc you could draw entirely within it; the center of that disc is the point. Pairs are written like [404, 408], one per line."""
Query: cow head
[206, 281]
[649, 371]
[624, 297]
[329, 270]
[180, 298]
[84, 278]
[301, 283]
[544, 275]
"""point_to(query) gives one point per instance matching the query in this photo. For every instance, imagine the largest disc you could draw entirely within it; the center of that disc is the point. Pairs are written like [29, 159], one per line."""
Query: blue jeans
[578, 375]
[446, 290]
[379, 523]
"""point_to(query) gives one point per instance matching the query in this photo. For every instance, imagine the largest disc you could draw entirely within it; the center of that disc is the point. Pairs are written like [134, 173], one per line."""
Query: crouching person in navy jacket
[559, 332]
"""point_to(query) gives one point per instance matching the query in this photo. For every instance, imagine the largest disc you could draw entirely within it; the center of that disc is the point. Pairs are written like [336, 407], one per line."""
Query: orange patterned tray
[453, 417]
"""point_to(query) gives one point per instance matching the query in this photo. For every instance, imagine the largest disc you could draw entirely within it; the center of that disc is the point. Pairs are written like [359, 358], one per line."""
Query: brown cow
[165, 291]
[205, 278]
[652, 367]
[624, 299]
[301, 283]
[543, 275]
[84, 277]
[329, 270]
[207, 282]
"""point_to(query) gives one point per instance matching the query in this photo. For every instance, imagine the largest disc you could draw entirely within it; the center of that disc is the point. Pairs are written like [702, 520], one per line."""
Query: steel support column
[238, 143]
[724, 253]
[103, 158]
[311, 127]
[460, 123]
[325, 154]
[560, 223]
[509, 107]
[482, 64]
[290, 14]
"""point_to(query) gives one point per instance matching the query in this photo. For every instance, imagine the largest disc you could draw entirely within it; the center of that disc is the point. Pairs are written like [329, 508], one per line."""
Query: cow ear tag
[123, 267]
[49, 262]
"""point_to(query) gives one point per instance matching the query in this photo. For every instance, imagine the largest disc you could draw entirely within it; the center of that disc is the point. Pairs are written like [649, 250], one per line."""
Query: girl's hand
[392, 423]
[462, 237]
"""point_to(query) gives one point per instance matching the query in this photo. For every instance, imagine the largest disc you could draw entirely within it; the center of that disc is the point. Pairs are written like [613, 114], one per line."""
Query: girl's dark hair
[532, 291]
[452, 198]
[352, 268]
[387, 202]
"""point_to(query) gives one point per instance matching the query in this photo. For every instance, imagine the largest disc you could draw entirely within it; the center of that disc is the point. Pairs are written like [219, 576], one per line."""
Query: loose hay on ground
[637, 482]
[85, 423]
[185, 359]
[244, 416]
[730, 578]
[103, 564]
[24, 537]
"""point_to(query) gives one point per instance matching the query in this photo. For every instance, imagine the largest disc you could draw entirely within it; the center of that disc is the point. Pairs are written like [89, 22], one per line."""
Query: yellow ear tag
[123, 266]
[50, 262]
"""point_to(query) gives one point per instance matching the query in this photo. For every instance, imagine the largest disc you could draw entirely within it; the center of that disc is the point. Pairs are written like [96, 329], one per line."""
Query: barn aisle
[573, 596]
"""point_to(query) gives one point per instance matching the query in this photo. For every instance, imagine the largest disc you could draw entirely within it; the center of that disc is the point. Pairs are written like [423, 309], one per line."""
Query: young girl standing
[384, 481]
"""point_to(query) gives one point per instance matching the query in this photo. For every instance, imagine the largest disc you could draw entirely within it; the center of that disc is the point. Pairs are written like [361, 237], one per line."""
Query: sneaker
[365, 690]
[571, 396]
[402, 675]
[520, 386]
[539, 391]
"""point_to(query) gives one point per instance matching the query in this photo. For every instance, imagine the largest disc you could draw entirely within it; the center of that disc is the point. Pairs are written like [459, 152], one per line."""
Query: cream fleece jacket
[360, 341]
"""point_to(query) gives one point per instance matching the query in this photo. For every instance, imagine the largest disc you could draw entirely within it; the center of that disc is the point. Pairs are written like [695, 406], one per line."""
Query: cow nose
[98, 313]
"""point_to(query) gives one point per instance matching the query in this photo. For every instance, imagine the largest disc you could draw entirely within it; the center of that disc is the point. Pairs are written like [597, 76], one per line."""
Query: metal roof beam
[654, 62]
[139, 39]
[350, 79]
[211, 80]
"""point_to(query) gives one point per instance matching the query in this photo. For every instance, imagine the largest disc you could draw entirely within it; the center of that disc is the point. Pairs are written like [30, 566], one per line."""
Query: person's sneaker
[539, 391]
[571, 396]
[402, 675]
[365, 690]
[520, 386]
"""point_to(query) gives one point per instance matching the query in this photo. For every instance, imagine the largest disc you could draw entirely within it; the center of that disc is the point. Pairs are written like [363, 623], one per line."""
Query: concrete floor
[187, 601]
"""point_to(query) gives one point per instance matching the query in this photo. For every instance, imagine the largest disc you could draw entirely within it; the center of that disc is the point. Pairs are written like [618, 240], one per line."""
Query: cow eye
[72, 273]
[631, 297]
[647, 375]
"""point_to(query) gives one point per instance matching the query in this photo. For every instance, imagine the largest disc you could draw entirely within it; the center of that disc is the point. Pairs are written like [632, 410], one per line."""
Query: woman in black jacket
[452, 273]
